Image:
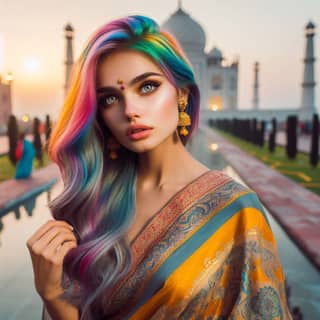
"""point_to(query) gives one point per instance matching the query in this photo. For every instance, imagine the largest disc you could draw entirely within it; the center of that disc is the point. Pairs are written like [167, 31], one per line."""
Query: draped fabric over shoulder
[209, 253]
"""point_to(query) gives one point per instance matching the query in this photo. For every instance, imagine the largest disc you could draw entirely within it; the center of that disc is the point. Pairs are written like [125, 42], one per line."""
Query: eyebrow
[132, 82]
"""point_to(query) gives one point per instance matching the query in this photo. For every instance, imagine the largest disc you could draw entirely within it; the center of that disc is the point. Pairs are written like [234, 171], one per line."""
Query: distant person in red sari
[25, 153]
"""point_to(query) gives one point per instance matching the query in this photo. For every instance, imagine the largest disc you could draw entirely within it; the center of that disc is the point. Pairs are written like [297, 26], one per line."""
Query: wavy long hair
[98, 198]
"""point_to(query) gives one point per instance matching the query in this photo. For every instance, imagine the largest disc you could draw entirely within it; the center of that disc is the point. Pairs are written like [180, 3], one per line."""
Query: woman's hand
[48, 246]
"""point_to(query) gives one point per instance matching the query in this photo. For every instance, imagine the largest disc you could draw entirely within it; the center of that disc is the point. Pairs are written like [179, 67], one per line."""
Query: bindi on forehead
[121, 83]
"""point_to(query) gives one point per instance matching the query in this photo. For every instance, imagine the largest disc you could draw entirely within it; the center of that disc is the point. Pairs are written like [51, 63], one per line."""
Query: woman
[142, 230]
[25, 154]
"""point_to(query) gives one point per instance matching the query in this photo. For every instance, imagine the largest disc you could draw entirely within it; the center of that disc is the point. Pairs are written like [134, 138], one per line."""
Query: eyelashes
[149, 86]
[108, 99]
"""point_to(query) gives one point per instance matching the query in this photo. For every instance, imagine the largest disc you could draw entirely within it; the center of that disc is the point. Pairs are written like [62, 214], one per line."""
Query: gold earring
[184, 118]
[113, 146]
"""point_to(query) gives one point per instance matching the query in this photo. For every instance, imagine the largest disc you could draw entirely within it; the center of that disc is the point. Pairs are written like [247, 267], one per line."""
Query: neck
[166, 164]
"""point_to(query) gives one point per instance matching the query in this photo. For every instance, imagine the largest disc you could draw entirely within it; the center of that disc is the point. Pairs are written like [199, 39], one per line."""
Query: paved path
[13, 191]
[294, 207]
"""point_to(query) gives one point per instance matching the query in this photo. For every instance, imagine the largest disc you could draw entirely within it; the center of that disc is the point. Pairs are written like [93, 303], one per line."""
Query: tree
[272, 136]
[291, 146]
[254, 131]
[261, 133]
[47, 130]
[37, 140]
[314, 152]
[13, 136]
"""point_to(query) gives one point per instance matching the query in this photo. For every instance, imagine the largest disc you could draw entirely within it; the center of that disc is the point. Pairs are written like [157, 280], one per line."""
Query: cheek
[165, 105]
[110, 121]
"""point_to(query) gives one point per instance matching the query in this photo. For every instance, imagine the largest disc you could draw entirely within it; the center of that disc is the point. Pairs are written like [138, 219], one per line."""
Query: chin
[142, 149]
[143, 146]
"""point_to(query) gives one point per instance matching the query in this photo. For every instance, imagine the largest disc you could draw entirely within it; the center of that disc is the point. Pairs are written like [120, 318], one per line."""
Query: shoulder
[220, 181]
[226, 192]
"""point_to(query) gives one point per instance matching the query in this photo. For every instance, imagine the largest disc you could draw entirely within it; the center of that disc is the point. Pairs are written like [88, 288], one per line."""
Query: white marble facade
[218, 81]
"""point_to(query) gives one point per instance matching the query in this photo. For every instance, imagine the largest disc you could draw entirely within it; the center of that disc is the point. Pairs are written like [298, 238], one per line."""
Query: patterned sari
[209, 253]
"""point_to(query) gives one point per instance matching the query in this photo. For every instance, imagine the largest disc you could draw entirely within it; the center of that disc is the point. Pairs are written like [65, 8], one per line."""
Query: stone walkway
[295, 208]
[13, 191]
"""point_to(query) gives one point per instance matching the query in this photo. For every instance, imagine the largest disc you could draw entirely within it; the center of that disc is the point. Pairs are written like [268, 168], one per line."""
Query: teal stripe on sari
[182, 253]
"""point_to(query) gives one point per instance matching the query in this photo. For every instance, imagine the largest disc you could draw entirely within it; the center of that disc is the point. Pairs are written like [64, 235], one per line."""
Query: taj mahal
[218, 81]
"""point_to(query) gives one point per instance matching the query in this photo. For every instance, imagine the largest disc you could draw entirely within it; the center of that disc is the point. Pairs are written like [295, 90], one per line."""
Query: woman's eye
[111, 99]
[108, 100]
[149, 87]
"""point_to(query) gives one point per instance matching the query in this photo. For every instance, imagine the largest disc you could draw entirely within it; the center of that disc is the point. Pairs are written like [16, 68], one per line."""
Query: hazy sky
[269, 31]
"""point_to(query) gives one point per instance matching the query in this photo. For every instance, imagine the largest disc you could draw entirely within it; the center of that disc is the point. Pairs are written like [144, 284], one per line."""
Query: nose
[131, 110]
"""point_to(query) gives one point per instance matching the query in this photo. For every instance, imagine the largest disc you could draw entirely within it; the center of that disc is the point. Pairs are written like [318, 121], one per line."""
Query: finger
[44, 228]
[64, 250]
[51, 240]
[59, 240]
[56, 232]
[55, 257]
[45, 240]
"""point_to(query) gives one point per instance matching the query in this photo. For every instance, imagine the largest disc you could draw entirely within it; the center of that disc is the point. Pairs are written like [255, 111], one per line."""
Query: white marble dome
[187, 31]
[215, 53]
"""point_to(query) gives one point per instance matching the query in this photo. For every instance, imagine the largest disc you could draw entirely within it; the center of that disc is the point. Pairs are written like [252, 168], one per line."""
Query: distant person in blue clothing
[25, 153]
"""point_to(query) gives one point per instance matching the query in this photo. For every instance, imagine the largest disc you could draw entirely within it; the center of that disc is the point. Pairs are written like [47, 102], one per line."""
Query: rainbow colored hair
[99, 194]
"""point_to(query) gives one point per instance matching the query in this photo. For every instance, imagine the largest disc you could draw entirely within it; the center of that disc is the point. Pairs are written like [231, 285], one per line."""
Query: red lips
[136, 128]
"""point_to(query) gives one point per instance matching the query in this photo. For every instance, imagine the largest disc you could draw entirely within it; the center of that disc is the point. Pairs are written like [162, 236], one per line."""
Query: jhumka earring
[113, 146]
[184, 118]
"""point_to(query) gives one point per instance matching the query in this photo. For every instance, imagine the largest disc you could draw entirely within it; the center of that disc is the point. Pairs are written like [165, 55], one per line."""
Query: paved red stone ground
[294, 207]
[11, 190]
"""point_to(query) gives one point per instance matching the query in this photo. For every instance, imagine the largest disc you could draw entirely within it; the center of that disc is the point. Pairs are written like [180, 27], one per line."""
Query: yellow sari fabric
[208, 254]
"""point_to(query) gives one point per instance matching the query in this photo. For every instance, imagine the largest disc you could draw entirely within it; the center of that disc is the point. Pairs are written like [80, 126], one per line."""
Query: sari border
[175, 207]
[177, 204]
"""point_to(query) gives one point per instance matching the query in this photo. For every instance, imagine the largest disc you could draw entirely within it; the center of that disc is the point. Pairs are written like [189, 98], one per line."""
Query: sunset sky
[269, 31]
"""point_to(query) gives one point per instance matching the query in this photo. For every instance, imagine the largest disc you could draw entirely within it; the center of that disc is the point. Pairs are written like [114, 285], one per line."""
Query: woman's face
[136, 101]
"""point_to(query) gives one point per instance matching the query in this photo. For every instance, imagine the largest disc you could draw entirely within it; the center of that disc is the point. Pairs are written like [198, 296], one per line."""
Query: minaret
[9, 80]
[255, 101]
[6, 98]
[308, 85]
[68, 32]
